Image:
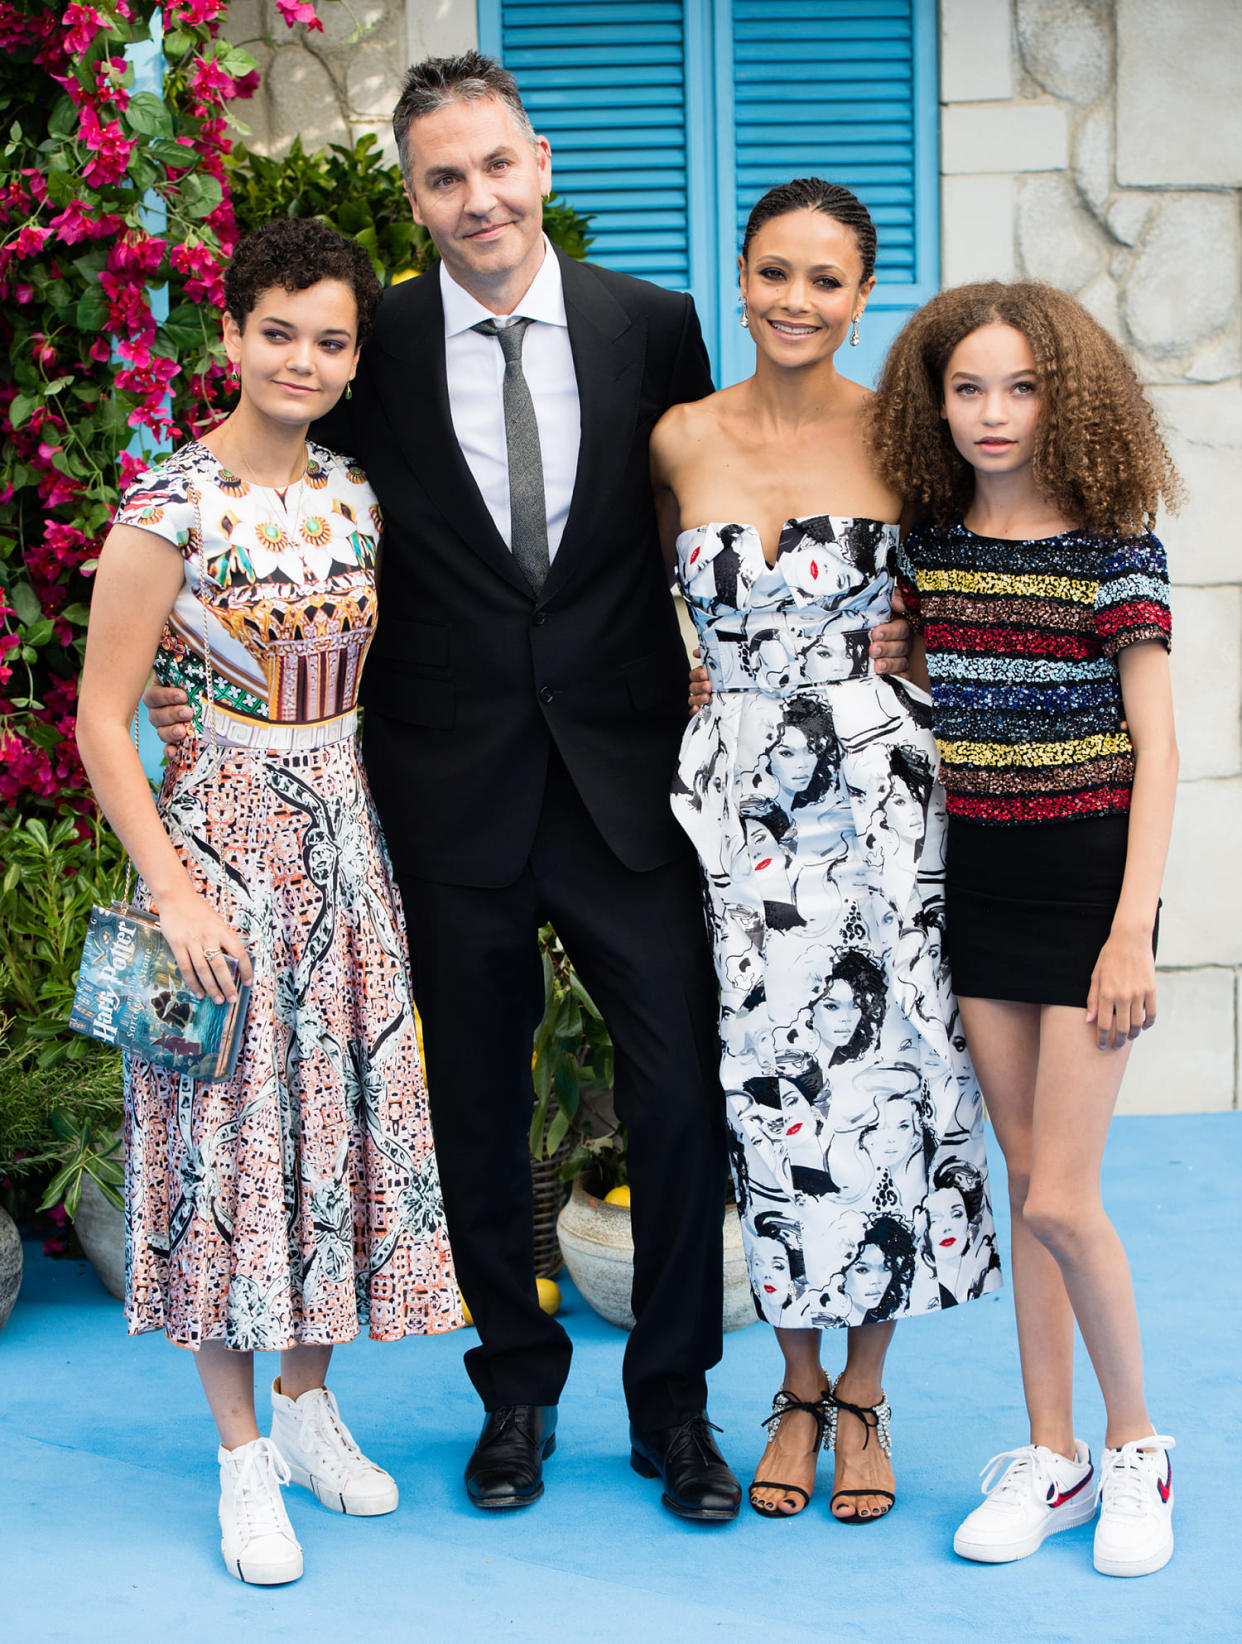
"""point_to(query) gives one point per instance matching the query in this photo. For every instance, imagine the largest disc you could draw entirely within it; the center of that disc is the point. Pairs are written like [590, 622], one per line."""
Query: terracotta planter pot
[100, 1228]
[10, 1265]
[599, 1252]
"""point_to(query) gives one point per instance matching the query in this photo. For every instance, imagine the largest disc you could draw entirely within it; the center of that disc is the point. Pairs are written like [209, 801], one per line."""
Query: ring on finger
[211, 953]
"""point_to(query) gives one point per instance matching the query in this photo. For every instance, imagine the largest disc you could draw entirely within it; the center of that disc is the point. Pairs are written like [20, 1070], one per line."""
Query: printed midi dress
[809, 789]
[299, 1199]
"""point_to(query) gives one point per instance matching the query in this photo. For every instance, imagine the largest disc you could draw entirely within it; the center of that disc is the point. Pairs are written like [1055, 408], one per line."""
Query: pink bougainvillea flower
[131, 468]
[210, 84]
[109, 147]
[36, 182]
[14, 27]
[76, 222]
[108, 82]
[137, 254]
[299, 11]
[129, 313]
[30, 240]
[196, 13]
[205, 275]
[79, 26]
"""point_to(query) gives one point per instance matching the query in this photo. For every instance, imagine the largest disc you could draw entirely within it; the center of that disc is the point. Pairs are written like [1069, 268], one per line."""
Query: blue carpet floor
[108, 1483]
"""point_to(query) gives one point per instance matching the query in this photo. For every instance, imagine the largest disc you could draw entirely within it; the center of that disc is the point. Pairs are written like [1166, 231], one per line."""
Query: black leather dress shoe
[697, 1481]
[506, 1469]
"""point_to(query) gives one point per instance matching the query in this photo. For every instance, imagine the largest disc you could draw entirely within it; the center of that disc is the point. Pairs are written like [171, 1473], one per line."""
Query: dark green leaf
[148, 115]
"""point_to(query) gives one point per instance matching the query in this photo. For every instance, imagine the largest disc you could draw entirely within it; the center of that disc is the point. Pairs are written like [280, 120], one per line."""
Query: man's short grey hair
[438, 81]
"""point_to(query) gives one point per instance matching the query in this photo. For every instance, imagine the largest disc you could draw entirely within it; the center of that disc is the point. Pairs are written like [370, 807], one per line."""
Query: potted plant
[572, 1069]
[574, 1118]
[61, 1104]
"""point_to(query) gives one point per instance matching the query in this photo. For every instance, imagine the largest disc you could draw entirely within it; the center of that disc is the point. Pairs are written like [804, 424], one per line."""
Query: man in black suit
[525, 697]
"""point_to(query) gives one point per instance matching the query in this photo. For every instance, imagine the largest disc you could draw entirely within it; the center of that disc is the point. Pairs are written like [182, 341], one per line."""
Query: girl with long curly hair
[1016, 428]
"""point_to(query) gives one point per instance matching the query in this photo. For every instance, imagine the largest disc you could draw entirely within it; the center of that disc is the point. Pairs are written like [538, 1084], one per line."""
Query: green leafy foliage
[573, 1067]
[60, 1094]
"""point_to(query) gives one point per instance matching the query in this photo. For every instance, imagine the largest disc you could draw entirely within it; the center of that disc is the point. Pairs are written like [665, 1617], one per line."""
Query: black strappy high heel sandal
[782, 1404]
[875, 1419]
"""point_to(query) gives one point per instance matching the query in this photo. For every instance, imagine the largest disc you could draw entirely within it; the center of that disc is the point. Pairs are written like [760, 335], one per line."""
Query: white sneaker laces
[1126, 1486]
[336, 1444]
[1020, 1472]
[258, 1472]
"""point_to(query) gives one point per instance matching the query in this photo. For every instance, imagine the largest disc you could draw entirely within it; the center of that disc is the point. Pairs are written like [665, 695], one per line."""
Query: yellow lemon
[618, 1195]
[404, 274]
[465, 1310]
[549, 1295]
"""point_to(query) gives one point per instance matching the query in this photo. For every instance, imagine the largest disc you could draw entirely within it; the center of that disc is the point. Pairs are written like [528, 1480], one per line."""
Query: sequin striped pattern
[1022, 642]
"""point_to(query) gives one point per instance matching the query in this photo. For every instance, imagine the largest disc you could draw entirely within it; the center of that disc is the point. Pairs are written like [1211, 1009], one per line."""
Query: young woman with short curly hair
[1015, 427]
[286, 1207]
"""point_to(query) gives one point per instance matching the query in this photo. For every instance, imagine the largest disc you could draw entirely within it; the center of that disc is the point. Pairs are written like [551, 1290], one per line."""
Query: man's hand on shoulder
[169, 711]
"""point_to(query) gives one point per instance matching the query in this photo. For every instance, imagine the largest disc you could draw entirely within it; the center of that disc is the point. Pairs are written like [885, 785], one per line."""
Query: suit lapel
[608, 348]
[424, 430]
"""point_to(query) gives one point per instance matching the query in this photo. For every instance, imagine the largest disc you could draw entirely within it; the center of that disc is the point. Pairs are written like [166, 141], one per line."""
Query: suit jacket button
[539, 618]
[546, 693]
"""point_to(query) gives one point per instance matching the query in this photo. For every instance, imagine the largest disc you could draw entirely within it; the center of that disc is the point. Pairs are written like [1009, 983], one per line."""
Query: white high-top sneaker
[1037, 1494]
[1135, 1534]
[323, 1456]
[256, 1537]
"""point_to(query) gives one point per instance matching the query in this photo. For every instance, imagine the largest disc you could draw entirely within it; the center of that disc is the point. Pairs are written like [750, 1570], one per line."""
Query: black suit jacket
[470, 677]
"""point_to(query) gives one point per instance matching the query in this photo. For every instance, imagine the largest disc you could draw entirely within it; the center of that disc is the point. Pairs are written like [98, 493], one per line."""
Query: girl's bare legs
[1074, 1101]
[1004, 1040]
[789, 1457]
[1050, 1092]
[228, 1381]
[302, 1368]
[860, 1462]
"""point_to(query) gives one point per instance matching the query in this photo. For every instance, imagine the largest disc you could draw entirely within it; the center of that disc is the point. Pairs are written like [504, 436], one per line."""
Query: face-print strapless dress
[809, 789]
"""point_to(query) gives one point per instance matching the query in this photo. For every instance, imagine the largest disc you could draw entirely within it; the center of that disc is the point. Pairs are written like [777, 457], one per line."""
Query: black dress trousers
[639, 943]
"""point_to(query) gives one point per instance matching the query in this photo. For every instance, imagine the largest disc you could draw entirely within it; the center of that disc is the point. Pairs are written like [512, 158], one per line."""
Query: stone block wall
[333, 86]
[1097, 144]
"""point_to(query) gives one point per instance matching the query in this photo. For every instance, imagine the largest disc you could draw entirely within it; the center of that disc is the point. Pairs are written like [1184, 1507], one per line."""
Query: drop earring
[854, 338]
[349, 389]
[744, 316]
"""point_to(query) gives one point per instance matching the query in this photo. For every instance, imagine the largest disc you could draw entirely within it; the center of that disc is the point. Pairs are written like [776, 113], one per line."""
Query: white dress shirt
[476, 370]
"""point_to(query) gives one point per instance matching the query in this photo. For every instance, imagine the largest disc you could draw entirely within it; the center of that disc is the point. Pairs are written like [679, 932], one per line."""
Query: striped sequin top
[1022, 641]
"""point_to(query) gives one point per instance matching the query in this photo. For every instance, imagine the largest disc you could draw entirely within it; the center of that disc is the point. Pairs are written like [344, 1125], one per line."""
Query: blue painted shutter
[604, 81]
[844, 90]
[669, 118]
[824, 90]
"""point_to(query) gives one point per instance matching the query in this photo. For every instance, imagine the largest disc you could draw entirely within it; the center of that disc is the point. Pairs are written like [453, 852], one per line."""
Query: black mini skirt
[1028, 908]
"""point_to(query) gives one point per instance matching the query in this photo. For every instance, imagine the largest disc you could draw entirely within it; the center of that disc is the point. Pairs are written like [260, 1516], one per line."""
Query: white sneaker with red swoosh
[1134, 1536]
[1038, 1493]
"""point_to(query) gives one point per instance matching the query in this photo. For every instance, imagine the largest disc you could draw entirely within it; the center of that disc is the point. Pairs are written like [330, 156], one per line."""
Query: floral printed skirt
[300, 1199]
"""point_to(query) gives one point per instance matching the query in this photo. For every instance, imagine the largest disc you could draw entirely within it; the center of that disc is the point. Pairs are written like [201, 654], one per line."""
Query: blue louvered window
[669, 118]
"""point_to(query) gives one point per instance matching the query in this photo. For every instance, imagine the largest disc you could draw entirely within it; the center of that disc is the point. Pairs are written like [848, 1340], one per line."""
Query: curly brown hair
[296, 253]
[1099, 454]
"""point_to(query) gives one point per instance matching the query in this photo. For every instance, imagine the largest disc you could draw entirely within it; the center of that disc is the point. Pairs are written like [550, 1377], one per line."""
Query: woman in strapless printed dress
[808, 785]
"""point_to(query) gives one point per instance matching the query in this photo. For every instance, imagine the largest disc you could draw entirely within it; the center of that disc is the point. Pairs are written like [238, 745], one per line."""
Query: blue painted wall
[669, 118]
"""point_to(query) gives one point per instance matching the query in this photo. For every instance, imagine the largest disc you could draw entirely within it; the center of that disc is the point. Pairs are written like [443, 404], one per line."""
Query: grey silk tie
[528, 509]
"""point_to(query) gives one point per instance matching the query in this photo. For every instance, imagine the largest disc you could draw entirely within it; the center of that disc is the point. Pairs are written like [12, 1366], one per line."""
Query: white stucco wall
[1098, 146]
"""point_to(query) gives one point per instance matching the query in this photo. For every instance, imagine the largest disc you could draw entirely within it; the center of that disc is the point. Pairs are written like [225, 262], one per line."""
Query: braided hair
[813, 194]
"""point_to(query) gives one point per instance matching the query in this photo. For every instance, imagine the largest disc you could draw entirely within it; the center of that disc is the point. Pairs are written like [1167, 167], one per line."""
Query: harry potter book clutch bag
[130, 994]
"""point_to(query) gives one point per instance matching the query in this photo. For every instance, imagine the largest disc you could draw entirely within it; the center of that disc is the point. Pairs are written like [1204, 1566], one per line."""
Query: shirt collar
[544, 299]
